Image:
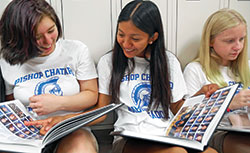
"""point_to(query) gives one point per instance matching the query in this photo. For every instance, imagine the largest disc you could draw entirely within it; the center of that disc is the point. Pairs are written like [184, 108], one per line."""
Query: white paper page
[12, 128]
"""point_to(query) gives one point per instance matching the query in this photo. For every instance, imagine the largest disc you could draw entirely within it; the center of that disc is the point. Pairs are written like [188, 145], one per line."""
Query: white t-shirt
[56, 73]
[136, 94]
[196, 78]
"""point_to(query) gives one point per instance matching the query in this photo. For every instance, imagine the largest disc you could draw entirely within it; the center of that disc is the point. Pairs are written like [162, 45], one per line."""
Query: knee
[210, 150]
[177, 149]
[81, 135]
[84, 138]
[78, 141]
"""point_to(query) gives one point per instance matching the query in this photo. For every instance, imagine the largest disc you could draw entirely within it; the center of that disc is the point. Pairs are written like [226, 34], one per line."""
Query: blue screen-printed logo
[141, 98]
[49, 86]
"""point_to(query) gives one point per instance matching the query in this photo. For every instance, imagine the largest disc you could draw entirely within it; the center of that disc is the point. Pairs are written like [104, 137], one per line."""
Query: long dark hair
[18, 29]
[145, 16]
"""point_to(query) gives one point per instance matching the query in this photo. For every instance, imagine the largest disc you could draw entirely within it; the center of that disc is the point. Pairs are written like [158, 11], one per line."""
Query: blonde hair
[218, 22]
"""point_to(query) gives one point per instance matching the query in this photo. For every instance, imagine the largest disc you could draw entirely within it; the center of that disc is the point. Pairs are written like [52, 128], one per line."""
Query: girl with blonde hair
[223, 60]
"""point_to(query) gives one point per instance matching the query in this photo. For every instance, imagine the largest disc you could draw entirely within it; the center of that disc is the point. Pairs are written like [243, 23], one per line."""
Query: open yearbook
[16, 137]
[194, 123]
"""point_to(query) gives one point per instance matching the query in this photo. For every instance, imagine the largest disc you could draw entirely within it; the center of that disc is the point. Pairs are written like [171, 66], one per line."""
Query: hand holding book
[240, 100]
[208, 89]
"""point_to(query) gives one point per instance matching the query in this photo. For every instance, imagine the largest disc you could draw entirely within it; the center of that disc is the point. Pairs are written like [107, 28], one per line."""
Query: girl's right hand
[46, 124]
[240, 100]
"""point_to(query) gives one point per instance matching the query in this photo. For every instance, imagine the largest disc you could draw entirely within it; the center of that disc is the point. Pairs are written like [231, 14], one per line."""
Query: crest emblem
[49, 86]
[141, 96]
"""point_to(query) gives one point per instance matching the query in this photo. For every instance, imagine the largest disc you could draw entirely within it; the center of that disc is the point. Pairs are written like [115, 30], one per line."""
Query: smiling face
[229, 43]
[132, 40]
[46, 36]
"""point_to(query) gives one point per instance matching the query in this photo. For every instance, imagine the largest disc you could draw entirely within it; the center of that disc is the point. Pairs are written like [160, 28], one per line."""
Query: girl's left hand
[44, 104]
[241, 99]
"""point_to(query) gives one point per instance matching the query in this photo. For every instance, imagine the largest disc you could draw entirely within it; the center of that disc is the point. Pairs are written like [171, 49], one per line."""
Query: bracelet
[229, 110]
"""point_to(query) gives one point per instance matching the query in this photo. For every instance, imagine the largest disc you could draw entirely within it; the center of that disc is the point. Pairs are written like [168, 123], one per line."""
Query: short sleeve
[104, 68]
[194, 77]
[86, 69]
[178, 85]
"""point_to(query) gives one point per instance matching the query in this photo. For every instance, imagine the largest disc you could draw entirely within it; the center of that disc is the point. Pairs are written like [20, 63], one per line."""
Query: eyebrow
[131, 34]
[48, 29]
[52, 27]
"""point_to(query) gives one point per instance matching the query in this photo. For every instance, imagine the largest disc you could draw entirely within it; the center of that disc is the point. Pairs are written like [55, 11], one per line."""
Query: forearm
[9, 97]
[101, 119]
[103, 101]
[176, 106]
[78, 102]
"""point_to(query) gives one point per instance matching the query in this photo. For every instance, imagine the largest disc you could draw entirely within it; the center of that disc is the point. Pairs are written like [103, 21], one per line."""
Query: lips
[129, 50]
[46, 50]
[234, 54]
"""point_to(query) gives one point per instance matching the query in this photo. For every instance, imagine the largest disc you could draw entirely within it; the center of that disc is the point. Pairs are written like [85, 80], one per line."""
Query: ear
[211, 44]
[153, 38]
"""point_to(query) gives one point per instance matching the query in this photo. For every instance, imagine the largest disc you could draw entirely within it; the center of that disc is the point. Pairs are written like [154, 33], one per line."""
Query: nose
[238, 45]
[126, 43]
[46, 39]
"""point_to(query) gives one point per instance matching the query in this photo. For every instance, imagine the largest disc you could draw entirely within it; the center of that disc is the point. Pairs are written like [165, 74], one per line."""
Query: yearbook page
[13, 132]
[195, 122]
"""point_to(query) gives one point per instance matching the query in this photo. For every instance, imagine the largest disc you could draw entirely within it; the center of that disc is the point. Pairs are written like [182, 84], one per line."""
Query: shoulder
[172, 58]
[4, 64]
[107, 56]
[7, 69]
[193, 65]
[173, 61]
[73, 48]
[170, 55]
[193, 68]
[106, 59]
[71, 44]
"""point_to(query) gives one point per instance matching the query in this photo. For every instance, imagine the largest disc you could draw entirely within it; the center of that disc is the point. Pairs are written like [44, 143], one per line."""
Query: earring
[150, 42]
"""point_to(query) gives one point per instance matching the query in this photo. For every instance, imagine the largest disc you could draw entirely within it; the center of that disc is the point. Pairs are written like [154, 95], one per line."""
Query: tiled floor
[104, 140]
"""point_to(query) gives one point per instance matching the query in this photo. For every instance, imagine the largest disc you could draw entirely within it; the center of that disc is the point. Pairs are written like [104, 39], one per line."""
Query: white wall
[3, 4]
[191, 16]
